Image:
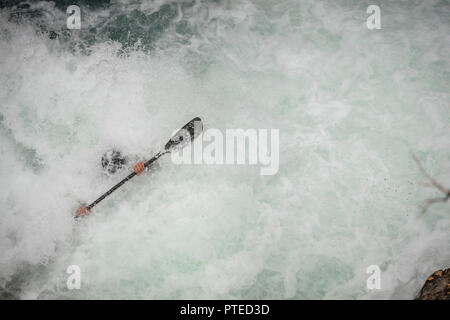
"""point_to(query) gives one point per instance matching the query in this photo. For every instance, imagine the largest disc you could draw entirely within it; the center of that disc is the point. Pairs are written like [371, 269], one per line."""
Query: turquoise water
[351, 105]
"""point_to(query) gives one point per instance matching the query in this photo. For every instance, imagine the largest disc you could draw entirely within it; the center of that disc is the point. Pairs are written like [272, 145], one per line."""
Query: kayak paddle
[179, 140]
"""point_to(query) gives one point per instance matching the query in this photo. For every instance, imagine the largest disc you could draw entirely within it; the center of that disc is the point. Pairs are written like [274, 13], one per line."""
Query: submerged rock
[437, 286]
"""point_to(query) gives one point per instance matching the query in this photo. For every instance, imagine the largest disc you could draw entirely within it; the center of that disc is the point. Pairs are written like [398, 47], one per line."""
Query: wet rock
[437, 286]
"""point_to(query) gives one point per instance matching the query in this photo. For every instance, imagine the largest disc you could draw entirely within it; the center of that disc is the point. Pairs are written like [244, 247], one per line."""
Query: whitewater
[351, 105]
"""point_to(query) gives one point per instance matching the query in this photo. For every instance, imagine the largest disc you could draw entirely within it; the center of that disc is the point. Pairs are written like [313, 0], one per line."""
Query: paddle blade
[185, 135]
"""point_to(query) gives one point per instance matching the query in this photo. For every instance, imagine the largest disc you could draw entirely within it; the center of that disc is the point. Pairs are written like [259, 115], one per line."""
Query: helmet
[113, 161]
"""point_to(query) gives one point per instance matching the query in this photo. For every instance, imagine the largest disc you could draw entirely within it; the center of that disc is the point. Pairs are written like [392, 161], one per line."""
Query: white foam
[350, 103]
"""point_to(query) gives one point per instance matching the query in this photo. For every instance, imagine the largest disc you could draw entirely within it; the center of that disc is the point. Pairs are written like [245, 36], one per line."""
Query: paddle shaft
[118, 185]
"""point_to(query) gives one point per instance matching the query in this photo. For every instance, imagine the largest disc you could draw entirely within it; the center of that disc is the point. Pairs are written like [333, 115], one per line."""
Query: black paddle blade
[185, 135]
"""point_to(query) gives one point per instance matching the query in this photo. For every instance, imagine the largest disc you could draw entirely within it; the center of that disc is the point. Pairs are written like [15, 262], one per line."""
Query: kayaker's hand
[139, 167]
[82, 211]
